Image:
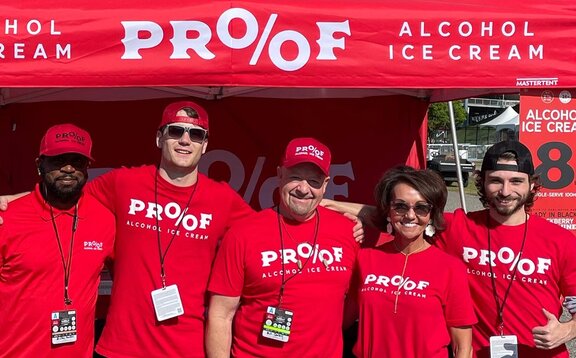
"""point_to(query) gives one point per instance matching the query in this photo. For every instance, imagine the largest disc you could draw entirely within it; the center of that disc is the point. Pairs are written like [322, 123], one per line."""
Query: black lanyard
[500, 306]
[68, 263]
[300, 267]
[180, 219]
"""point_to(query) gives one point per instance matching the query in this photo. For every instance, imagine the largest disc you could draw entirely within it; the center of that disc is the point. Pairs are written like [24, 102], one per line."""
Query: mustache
[304, 196]
[504, 197]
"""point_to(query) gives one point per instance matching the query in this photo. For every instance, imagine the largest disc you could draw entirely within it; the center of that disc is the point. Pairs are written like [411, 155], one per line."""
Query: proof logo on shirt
[328, 255]
[93, 245]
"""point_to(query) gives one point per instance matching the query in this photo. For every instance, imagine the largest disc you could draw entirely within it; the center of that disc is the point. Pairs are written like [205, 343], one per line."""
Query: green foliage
[439, 118]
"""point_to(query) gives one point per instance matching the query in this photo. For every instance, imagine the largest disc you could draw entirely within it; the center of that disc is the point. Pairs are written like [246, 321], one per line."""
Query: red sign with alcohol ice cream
[548, 128]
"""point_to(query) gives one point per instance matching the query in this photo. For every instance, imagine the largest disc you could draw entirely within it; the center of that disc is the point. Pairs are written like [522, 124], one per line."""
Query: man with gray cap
[519, 265]
[52, 249]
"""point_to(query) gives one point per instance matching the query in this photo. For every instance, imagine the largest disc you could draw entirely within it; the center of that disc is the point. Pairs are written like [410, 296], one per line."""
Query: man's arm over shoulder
[236, 206]
[450, 238]
[364, 212]
[103, 188]
[5, 199]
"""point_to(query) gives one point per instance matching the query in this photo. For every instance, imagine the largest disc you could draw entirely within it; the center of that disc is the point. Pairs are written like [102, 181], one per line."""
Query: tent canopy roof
[215, 49]
[29, 95]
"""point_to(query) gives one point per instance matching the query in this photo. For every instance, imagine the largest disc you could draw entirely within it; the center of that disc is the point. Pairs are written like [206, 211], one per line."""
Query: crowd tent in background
[505, 125]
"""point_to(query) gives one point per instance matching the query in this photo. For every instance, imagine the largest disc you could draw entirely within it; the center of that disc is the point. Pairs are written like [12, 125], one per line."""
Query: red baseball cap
[66, 138]
[170, 114]
[307, 150]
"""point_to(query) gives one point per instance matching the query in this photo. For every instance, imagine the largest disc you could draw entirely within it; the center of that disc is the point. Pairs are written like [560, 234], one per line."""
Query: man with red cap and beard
[53, 247]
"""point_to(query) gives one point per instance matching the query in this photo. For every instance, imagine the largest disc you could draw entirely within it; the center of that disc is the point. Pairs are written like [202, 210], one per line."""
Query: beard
[302, 210]
[508, 211]
[64, 194]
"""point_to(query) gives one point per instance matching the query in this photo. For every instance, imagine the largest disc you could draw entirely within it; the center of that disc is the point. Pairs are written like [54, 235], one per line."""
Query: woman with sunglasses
[411, 299]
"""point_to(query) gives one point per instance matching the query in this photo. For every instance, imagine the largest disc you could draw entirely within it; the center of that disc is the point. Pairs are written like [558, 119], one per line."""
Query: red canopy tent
[356, 74]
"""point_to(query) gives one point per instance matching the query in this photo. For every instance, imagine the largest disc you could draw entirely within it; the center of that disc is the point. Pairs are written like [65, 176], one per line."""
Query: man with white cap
[280, 276]
[52, 249]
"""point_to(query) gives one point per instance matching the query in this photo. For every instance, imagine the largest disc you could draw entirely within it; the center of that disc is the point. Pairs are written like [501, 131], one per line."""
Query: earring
[430, 230]
[39, 172]
[388, 226]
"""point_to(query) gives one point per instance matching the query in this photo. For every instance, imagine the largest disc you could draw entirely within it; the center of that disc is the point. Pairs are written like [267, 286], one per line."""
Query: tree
[439, 118]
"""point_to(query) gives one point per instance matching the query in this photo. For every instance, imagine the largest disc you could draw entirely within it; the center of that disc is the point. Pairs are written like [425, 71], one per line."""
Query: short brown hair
[428, 183]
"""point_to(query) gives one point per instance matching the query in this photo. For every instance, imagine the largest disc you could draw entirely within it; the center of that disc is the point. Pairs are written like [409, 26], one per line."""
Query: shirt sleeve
[441, 241]
[568, 266]
[227, 276]
[3, 247]
[355, 279]
[103, 188]
[239, 209]
[459, 310]
[451, 240]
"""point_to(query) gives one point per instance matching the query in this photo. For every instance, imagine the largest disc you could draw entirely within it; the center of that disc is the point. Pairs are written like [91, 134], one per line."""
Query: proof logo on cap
[64, 139]
[307, 150]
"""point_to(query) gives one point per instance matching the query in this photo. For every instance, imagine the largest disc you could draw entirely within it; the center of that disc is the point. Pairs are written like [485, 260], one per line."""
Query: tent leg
[457, 156]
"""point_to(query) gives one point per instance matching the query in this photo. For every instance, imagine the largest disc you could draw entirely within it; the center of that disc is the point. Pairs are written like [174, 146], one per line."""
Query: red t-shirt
[431, 296]
[546, 270]
[32, 274]
[248, 264]
[131, 327]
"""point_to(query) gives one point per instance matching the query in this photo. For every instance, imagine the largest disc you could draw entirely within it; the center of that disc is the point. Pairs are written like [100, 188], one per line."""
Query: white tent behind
[509, 119]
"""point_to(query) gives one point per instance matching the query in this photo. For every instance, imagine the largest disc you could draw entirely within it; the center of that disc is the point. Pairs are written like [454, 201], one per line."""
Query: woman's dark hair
[534, 179]
[427, 182]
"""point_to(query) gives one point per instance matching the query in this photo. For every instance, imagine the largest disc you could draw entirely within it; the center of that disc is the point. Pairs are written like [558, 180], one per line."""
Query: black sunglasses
[421, 209]
[176, 132]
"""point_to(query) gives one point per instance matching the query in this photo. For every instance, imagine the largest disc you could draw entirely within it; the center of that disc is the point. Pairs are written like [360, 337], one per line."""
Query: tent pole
[457, 156]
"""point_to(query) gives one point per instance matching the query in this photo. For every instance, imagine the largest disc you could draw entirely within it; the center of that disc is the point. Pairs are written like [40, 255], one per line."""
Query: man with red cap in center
[280, 276]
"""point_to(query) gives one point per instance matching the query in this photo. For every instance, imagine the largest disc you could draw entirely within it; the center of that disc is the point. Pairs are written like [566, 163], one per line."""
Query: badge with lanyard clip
[167, 302]
[504, 346]
[277, 324]
[64, 327]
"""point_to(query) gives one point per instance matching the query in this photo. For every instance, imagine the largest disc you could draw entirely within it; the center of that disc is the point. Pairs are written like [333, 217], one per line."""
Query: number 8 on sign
[561, 164]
